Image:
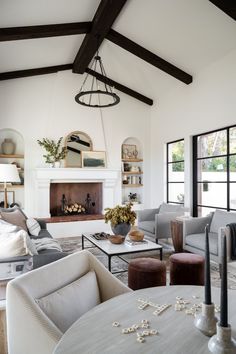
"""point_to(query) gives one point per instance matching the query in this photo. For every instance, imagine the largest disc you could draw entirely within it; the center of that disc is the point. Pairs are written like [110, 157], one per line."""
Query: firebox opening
[68, 199]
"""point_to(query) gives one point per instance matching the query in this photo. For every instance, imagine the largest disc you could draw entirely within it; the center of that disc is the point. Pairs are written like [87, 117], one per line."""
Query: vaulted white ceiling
[190, 34]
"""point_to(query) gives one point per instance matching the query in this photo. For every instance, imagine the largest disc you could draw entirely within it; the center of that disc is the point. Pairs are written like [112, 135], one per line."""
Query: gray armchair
[155, 223]
[194, 234]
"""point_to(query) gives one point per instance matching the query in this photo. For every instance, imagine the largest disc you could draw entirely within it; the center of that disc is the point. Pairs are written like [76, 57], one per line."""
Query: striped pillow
[33, 226]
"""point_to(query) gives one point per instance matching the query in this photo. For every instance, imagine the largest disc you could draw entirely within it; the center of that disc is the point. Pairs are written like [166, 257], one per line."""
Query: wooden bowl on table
[136, 235]
[116, 239]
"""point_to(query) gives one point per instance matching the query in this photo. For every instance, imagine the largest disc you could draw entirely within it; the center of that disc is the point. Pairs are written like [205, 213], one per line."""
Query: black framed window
[214, 171]
[175, 172]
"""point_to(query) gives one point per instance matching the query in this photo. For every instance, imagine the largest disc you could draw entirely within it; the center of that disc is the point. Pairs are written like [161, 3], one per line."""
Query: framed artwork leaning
[129, 151]
[94, 159]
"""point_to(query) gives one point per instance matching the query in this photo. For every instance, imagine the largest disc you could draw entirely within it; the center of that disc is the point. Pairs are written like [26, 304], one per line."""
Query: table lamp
[8, 174]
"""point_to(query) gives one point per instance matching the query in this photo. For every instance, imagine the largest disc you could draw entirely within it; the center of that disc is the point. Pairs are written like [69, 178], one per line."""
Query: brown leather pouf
[186, 269]
[146, 273]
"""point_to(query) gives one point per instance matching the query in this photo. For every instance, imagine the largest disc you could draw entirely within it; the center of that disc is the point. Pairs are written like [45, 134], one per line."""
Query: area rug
[74, 244]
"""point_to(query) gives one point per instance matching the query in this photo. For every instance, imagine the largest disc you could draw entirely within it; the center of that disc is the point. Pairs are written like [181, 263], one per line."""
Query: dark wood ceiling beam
[227, 6]
[105, 16]
[120, 87]
[148, 56]
[30, 32]
[34, 72]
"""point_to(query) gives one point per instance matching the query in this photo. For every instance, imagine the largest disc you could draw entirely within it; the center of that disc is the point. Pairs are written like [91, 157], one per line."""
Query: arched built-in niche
[132, 172]
[76, 142]
[12, 137]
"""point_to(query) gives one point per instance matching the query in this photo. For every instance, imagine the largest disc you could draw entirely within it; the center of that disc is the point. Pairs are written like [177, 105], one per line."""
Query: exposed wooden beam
[228, 6]
[33, 72]
[29, 32]
[148, 56]
[105, 16]
[120, 87]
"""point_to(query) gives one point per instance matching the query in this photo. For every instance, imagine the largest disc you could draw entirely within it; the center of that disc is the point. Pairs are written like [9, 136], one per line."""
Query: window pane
[176, 172]
[176, 192]
[212, 169]
[232, 195]
[232, 140]
[232, 165]
[204, 211]
[176, 151]
[212, 194]
[212, 144]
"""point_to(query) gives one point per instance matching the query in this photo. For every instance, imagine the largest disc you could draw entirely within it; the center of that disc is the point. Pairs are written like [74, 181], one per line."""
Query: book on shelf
[135, 243]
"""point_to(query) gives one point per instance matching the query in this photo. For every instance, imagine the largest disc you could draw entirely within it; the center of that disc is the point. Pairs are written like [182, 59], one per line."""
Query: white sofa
[30, 329]
[155, 223]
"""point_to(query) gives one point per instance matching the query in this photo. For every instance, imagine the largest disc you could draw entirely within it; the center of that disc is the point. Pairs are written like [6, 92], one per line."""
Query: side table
[177, 232]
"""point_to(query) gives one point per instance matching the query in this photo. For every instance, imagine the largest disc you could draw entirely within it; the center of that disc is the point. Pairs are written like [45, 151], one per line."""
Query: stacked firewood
[75, 209]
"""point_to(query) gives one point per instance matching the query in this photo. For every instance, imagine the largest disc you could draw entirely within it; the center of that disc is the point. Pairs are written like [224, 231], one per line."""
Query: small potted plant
[121, 218]
[55, 153]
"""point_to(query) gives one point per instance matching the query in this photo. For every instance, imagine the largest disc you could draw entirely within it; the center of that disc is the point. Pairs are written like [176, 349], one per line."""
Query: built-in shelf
[16, 156]
[132, 160]
[132, 173]
[129, 185]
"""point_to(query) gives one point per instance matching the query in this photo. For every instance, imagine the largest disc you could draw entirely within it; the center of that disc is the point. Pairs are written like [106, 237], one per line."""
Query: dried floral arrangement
[54, 150]
[120, 214]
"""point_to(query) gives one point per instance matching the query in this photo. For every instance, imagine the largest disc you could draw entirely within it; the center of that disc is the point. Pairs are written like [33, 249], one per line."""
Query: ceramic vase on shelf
[8, 147]
[57, 164]
[121, 229]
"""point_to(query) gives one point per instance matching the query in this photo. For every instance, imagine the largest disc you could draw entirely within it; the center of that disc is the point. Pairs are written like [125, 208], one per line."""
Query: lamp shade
[9, 173]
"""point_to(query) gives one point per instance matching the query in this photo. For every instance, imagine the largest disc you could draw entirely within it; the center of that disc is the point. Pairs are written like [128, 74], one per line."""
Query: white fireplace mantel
[46, 176]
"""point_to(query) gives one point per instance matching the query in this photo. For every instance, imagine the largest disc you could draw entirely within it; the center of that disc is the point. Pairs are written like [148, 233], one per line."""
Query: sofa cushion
[14, 216]
[168, 208]
[33, 226]
[148, 226]
[198, 241]
[67, 304]
[221, 218]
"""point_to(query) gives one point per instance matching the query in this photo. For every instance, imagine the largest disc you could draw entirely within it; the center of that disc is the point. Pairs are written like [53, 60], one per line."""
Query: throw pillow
[13, 244]
[14, 216]
[221, 218]
[67, 304]
[33, 226]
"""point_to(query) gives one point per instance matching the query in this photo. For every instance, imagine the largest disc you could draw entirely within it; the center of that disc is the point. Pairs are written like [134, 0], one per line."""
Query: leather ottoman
[186, 269]
[146, 273]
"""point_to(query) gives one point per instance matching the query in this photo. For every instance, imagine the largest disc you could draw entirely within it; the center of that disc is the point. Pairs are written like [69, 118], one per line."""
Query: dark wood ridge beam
[107, 12]
[120, 87]
[227, 6]
[33, 72]
[148, 56]
[29, 32]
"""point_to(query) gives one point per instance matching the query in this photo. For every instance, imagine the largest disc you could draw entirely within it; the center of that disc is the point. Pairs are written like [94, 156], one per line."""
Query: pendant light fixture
[97, 94]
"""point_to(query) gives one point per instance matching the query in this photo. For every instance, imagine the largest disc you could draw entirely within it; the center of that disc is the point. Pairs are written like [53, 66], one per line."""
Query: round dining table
[100, 330]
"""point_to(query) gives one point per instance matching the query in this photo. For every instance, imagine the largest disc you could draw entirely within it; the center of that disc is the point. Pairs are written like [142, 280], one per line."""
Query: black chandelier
[94, 94]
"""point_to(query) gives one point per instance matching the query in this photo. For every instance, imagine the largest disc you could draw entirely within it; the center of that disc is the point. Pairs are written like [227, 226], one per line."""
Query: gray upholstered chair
[155, 223]
[194, 233]
[44, 303]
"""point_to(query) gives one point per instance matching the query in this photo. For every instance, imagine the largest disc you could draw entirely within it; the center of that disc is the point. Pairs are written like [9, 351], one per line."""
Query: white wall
[44, 106]
[208, 103]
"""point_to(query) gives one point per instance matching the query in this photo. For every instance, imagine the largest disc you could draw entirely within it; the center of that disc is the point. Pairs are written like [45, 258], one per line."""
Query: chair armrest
[162, 223]
[42, 224]
[147, 214]
[224, 231]
[195, 225]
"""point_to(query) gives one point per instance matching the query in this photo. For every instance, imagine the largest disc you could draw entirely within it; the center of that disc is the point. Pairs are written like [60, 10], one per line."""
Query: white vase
[8, 147]
[57, 164]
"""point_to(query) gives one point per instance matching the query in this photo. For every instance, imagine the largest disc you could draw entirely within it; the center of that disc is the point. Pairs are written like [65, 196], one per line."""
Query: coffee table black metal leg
[82, 242]
[161, 254]
[109, 263]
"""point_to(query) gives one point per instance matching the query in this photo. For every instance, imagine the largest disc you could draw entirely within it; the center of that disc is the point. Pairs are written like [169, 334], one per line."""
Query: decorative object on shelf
[75, 142]
[206, 321]
[129, 151]
[133, 197]
[8, 174]
[8, 147]
[94, 159]
[93, 93]
[55, 153]
[126, 167]
[121, 218]
[222, 342]
[116, 239]
[135, 169]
